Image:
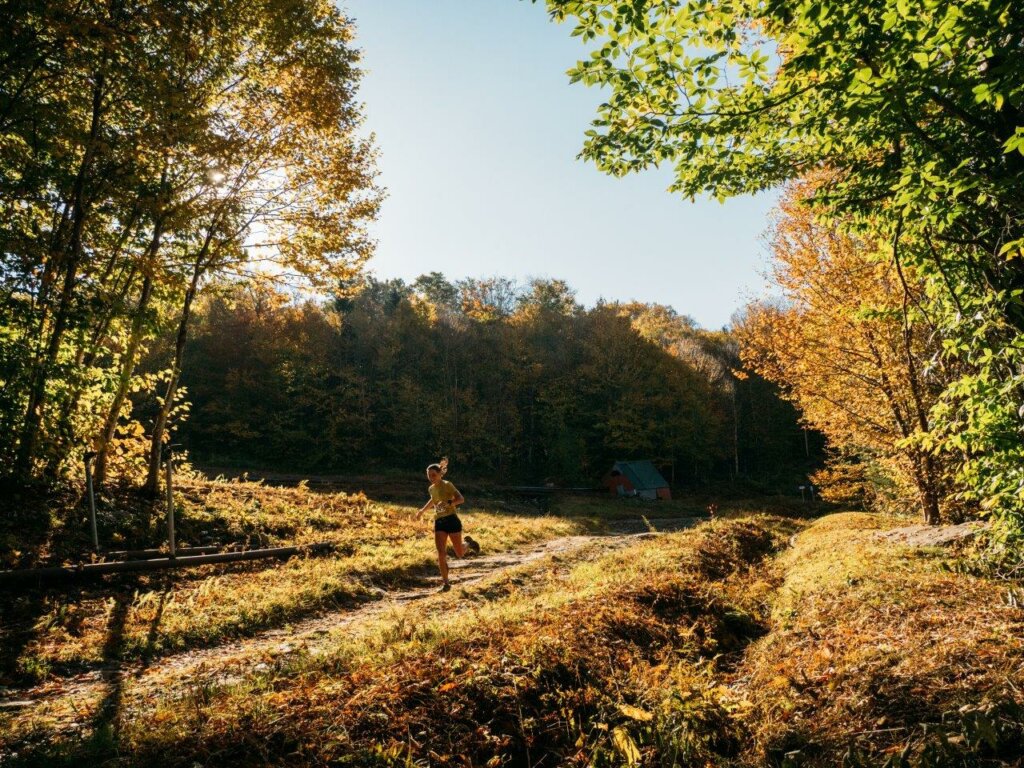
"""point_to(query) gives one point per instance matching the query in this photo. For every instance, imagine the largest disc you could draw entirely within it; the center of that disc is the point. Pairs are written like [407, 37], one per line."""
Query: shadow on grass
[19, 618]
[26, 532]
[102, 743]
[106, 723]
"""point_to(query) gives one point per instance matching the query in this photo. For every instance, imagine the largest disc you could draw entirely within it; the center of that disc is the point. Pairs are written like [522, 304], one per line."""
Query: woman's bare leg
[441, 541]
[457, 544]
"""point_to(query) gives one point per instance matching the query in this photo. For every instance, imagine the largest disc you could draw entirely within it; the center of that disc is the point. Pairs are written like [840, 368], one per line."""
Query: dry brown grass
[882, 654]
[582, 660]
[383, 545]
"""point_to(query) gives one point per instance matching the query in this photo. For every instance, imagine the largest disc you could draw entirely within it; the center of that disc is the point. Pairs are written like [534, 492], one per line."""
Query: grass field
[750, 640]
[376, 546]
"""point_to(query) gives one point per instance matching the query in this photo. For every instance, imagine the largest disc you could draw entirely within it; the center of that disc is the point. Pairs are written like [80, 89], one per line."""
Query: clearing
[757, 639]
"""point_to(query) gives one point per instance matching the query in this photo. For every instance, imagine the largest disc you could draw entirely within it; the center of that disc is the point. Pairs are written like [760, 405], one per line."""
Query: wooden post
[89, 456]
[169, 474]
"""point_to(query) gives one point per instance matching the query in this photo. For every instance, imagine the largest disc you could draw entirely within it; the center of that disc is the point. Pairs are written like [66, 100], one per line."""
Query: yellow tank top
[441, 494]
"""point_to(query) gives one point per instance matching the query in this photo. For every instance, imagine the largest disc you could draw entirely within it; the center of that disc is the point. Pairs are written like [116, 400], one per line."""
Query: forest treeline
[511, 382]
[148, 150]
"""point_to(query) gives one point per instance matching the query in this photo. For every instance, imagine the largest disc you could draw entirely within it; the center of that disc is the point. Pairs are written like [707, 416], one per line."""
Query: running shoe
[446, 587]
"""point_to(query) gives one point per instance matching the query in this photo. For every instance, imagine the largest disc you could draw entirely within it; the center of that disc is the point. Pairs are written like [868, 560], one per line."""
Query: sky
[478, 130]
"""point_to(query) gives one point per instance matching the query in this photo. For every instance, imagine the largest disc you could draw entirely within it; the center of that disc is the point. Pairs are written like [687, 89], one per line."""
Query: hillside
[754, 639]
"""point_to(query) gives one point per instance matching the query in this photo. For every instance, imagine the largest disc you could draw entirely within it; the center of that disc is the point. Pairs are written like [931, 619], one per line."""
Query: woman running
[445, 497]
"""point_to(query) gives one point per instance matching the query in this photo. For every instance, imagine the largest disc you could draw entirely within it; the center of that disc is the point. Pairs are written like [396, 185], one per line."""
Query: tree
[914, 106]
[62, 72]
[488, 299]
[548, 296]
[434, 290]
[147, 149]
[841, 346]
[287, 164]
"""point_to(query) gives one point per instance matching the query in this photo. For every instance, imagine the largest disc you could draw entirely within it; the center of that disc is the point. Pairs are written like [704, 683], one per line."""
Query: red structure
[637, 478]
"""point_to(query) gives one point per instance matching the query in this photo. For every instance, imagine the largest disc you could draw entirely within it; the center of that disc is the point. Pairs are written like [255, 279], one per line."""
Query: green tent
[641, 477]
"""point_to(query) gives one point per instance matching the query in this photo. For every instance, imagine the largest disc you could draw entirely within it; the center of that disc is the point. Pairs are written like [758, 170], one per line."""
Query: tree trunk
[927, 487]
[124, 380]
[152, 485]
[735, 431]
[924, 463]
[930, 502]
[37, 390]
[128, 360]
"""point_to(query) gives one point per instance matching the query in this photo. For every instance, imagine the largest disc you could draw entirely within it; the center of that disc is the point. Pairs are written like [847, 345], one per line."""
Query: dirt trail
[72, 702]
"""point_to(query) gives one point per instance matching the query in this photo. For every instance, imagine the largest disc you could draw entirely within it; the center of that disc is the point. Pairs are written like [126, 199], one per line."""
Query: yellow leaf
[636, 713]
[625, 746]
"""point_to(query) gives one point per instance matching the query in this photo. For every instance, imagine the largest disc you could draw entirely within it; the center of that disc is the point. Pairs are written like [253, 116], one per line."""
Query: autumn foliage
[147, 150]
[842, 346]
[511, 381]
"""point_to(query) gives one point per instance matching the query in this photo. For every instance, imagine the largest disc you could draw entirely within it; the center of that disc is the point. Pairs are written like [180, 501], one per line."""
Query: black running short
[448, 524]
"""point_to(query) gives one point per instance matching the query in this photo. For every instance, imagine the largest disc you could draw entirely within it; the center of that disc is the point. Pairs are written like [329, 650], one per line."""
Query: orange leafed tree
[850, 346]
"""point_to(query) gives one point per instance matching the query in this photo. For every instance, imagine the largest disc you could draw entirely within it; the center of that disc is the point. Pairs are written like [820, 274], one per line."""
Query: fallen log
[87, 570]
[136, 554]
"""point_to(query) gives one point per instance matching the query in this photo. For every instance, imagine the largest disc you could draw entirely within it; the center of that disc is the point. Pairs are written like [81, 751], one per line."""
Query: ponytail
[441, 466]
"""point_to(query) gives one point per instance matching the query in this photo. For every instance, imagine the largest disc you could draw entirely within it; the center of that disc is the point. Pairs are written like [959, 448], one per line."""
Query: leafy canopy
[914, 102]
[914, 106]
